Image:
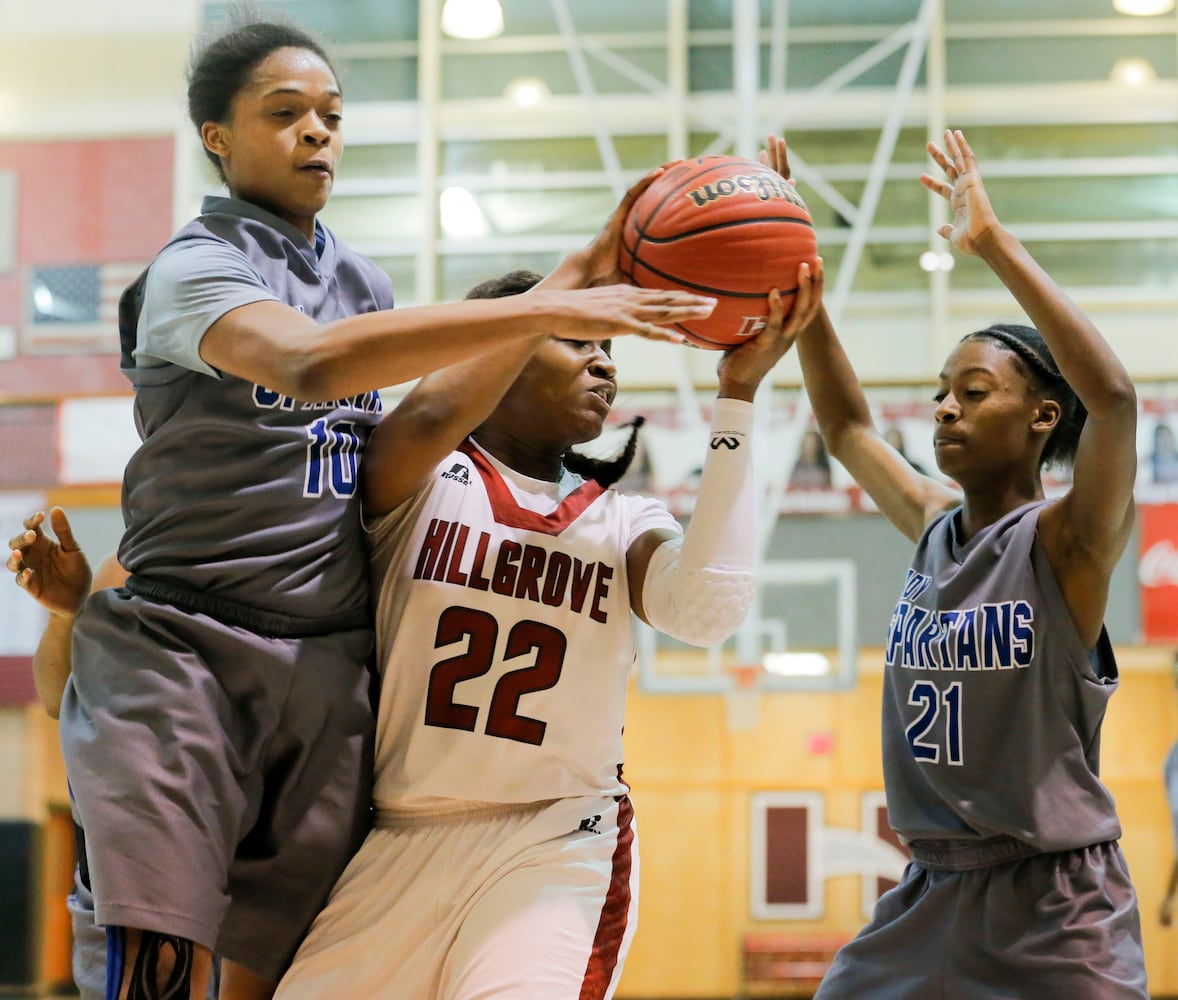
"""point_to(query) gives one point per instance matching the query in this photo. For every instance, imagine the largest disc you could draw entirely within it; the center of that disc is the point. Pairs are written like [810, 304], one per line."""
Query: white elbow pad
[701, 606]
[700, 588]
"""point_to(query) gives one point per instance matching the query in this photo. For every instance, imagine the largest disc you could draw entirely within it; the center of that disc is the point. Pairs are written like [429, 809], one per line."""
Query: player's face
[283, 142]
[565, 392]
[985, 411]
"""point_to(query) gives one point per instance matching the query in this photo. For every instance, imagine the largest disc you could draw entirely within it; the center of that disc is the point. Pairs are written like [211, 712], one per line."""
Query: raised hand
[775, 156]
[55, 573]
[973, 216]
[606, 311]
[742, 368]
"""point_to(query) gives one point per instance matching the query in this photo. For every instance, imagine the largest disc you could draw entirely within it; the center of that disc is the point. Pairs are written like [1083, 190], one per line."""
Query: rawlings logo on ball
[766, 187]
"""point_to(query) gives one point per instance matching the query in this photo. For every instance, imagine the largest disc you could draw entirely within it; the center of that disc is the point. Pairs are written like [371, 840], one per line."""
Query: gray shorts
[223, 778]
[1047, 927]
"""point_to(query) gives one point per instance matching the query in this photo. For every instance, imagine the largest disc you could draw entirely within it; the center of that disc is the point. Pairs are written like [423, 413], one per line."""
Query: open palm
[973, 216]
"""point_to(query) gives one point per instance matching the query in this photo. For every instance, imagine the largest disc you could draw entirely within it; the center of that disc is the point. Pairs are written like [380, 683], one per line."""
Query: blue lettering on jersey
[525, 572]
[268, 399]
[915, 584]
[999, 636]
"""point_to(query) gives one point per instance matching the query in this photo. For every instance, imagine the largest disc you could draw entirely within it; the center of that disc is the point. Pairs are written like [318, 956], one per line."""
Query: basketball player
[503, 862]
[998, 667]
[57, 575]
[216, 726]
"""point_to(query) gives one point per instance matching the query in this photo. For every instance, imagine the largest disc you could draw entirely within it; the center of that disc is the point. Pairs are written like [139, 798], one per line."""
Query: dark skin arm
[1085, 532]
[57, 575]
[271, 344]
[907, 498]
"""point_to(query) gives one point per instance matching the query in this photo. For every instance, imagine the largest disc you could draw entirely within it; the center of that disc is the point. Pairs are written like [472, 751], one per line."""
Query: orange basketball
[722, 226]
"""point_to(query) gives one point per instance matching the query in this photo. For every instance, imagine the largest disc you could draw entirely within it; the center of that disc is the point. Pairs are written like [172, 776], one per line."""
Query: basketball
[723, 226]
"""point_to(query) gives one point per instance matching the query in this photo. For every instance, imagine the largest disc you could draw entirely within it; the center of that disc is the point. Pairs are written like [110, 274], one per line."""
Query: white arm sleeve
[698, 589]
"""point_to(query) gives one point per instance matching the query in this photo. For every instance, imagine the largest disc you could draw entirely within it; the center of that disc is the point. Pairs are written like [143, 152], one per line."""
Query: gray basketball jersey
[238, 492]
[992, 704]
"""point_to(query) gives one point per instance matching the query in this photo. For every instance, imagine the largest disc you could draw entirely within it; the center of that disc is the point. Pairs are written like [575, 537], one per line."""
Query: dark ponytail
[606, 471]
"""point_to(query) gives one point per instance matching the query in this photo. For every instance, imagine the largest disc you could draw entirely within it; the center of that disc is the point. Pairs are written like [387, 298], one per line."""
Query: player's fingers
[636, 189]
[61, 528]
[937, 186]
[33, 521]
[953, 149]
[675, 305]
[818, 275]
[23, 540]
[967, 154]
[651, 331]
[776, 318]
[805, 299]
[782, 156]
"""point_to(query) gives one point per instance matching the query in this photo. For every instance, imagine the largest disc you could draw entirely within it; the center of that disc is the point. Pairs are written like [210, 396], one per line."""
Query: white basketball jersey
[504, 638]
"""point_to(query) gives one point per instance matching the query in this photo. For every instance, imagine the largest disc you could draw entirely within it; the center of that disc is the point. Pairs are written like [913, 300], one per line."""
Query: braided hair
[605, 471]
[1034, 360]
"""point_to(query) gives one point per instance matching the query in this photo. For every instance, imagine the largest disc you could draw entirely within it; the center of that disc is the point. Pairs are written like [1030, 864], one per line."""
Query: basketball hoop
[743, 697]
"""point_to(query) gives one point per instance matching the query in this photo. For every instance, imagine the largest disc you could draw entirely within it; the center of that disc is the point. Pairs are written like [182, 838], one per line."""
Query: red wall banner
[1157, 571]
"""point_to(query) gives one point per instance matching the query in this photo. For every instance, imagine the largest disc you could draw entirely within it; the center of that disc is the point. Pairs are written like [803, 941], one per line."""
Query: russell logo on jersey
[459, 473]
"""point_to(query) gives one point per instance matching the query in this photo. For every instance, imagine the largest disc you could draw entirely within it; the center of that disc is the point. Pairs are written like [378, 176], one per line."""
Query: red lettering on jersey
[429, 550]
[503, 579]
[557, 579]
[601, 592]
[477, 580]
[582, 575]
[444, 554]
[530, 568]
[453, 574]
[524, 572]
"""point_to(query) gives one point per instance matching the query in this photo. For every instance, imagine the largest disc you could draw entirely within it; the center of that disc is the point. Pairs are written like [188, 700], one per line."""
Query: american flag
[73, 308]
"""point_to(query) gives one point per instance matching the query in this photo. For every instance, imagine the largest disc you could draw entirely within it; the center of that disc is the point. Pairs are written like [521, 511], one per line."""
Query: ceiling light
[1143, 8]
[1133, 72]
[472, 18]
[936, 260]
[461, 216]
[796, 664]
[527, 91]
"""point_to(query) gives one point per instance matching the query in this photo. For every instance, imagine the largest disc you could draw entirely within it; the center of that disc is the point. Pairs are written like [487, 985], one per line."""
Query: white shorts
[532, 904]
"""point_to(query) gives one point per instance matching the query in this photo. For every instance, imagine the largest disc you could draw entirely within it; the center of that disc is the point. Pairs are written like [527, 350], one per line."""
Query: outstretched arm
[57, 575]
[698, 587]
[906, 497]
[270, 343]
[446, 405]
[1085, 533]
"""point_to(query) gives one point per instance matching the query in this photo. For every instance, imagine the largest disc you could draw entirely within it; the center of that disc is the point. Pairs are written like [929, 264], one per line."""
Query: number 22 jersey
[504, 638]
